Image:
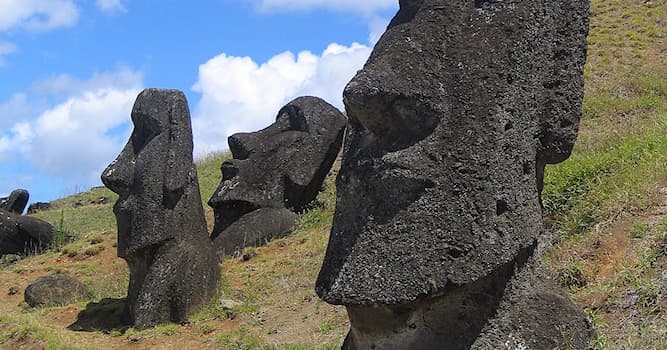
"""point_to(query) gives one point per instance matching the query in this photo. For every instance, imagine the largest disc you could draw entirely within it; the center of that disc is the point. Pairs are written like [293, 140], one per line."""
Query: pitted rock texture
[255, 229]
[16, 201]
[23, 234]
[451, 122]
[38, 206]
[278, 170]
[161, 227]
[55, 290]
[452, 119]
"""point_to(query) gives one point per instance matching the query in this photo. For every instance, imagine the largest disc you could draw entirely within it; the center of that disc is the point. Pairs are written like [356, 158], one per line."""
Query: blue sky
[71, 69]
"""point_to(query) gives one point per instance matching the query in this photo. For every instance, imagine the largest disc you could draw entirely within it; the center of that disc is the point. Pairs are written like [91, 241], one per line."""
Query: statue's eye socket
[145, 130]
[291, 118]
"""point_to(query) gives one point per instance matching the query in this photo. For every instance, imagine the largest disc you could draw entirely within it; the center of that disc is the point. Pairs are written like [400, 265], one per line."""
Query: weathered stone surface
[278, 168]
[255, 229]
[161, 227]
[16, 201]
[38, 206]
[451, 122]
[55, 290]
[23, 234]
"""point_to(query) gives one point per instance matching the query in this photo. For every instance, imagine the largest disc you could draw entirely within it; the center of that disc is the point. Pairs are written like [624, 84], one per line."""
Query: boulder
[161, 227]
[451, 123]
[276, 170]
[55, 290]
[38, 206]
[16, 201]
[23, 234]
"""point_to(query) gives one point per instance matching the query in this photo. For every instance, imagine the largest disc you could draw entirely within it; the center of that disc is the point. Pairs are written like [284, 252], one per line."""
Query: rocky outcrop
[38, 206]
[275, 173]
[451, 123]
[55, 290]
[23, 234]
[16, 201]
[161, 227]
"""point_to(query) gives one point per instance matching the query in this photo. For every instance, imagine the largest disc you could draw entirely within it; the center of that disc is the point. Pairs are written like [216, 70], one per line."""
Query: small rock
[134, 338]
[55, 290]
[100, 201]
[628, 299]
[228, 304]
[248, 254]
[13, 290]
[9, 259]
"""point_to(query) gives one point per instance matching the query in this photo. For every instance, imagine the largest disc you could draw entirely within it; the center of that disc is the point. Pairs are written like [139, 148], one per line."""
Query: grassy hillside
[607, 205]
[608, 202]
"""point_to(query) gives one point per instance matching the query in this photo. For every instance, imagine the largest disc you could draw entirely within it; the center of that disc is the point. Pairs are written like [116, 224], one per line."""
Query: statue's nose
[239, 144]
[119, 175]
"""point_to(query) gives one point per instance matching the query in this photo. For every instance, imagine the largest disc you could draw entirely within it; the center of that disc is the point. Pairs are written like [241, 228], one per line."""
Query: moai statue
[16, 201]
[161, 226]
[275, 173]
[451, 122]
[21, 234]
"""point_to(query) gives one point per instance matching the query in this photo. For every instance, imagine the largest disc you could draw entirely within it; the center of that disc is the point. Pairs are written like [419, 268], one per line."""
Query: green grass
[208, 171]
[619, 160]
[592, 186]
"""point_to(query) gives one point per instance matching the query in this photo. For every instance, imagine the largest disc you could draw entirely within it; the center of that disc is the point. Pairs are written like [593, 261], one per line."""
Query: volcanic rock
[161, 227]
[38, 206]
[451, 123]
[16, 201]
[274, 173]
[55, 290]
[23, 234]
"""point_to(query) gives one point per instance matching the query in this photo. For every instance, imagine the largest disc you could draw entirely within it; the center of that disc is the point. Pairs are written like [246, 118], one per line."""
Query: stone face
[16, 201]
[161, 227]
[278, 169]
[451, 122]
[23, 234]
[55, 290]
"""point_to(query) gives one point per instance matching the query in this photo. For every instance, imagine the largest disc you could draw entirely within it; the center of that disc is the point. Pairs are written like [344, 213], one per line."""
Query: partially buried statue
[161, 227]
[452, 120]
[21, 234]
[276, 172]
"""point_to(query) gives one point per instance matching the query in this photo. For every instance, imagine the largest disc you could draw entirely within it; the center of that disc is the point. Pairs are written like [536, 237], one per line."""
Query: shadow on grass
[105, 316]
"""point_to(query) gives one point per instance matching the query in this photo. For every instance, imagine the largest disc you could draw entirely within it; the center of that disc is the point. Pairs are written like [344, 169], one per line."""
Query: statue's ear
[179, 154]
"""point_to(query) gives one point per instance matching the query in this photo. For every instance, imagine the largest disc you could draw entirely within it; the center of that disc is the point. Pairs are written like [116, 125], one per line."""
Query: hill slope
[607, 206]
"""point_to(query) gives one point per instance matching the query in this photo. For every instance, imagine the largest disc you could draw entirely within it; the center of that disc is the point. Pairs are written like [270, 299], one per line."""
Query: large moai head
[278, 170]
[451, 122]
[153, 172]
[161, 227]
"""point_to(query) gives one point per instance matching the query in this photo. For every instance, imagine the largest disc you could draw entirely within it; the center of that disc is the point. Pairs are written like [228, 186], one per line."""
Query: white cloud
[65, 84]
[77, 137]
[17, 140]
[111, 7]
[72, 139]
[366, 7]
[37, 15]
[240, 95]
[6, 48]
